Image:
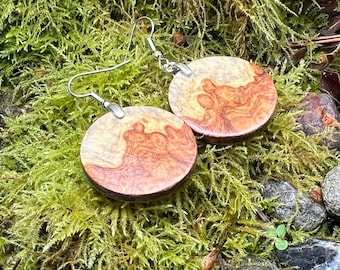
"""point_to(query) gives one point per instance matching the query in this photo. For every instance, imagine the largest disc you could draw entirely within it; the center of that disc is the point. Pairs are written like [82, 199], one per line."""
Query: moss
[52, 218]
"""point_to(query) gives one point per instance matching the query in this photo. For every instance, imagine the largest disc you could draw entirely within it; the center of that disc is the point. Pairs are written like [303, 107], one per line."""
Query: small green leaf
[281, 244]
[271, 232]
[281, 231]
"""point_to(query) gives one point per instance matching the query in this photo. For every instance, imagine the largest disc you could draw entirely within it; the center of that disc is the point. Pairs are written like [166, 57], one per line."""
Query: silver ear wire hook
[149, 39]
[164, 63]
[109, 106]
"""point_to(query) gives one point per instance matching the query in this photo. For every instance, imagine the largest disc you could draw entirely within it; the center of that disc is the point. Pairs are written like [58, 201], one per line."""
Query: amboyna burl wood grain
[225, 97]
[148, 151]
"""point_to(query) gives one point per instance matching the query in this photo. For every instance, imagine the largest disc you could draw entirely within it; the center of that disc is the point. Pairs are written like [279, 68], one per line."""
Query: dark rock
[314, 255]
[331, 191]
[309, 215]
[254, 263]
[321, 113]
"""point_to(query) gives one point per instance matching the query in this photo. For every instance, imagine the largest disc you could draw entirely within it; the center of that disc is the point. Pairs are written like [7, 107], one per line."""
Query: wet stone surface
[331, 192]
[314, 255]
[320, 114]
[309, 215]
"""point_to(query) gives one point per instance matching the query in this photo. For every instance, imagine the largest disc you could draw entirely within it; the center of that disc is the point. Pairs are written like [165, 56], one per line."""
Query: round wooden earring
[226, 99]
[137, 153]
[140, 157]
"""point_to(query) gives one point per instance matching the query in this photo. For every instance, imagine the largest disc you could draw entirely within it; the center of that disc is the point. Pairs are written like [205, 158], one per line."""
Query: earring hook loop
[149, 39]
[112, 107]
[164, 63]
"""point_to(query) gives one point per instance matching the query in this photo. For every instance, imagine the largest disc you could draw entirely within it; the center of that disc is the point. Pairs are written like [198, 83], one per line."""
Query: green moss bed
[50, 215]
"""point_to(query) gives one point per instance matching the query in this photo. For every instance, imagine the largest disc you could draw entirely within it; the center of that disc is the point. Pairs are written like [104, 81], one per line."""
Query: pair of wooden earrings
[140, 153]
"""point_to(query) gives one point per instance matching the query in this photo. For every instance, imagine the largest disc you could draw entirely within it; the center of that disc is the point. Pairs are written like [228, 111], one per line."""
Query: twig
[262, 216]
[220, 261]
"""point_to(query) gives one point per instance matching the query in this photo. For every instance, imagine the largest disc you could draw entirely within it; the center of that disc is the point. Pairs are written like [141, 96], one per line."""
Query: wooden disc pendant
[225, 98]
[146, 154]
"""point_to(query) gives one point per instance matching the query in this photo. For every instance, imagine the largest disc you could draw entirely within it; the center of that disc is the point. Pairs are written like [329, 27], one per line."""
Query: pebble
[321, 113]
[315, 254]
[309, 215]
[331, 191]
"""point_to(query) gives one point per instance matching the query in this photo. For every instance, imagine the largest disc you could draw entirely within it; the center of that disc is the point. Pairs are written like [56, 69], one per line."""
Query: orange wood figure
[144, 155]
[226, 98]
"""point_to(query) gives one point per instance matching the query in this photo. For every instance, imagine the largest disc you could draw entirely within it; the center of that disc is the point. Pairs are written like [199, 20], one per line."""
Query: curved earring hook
[149, 39]
[112, 107]
[164, 63]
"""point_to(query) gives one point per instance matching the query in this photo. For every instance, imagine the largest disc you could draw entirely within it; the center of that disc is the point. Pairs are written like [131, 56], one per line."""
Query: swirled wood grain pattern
[225, 97]
[140, 157]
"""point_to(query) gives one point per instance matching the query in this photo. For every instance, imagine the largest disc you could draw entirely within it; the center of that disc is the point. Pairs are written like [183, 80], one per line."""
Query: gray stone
[286, 195]
[314, 255]
[309, 215]
[331, 191]
[254, 263]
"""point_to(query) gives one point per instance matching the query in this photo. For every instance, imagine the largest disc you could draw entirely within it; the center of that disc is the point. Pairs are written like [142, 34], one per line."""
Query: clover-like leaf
[271, 232]
[281, 244]
[281, 231]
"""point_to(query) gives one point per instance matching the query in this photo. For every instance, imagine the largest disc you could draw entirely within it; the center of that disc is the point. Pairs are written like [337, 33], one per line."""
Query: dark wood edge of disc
[142, 198]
